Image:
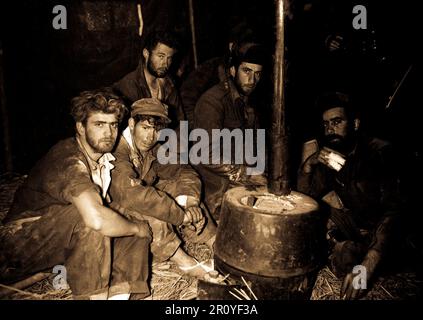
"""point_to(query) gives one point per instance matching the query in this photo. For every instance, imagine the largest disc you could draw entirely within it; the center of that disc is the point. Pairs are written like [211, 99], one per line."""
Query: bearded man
[356, 176]
[61, 215]
[151, 78]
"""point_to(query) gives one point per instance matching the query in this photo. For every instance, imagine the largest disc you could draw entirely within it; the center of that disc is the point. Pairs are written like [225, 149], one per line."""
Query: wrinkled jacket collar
[143, 164]
[236, 98]
[142, 82]
[100, 169]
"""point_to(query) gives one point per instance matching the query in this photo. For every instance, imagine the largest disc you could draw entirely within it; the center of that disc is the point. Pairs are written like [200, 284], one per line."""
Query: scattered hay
[327, 286]
[169, 283]
[398, 286]
[42, 290]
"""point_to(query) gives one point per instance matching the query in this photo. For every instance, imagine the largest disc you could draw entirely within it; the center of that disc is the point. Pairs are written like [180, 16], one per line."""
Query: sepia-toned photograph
[210, 150]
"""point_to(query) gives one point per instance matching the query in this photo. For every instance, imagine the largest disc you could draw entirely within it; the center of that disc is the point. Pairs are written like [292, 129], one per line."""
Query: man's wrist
[137, 228]
[371, 261]
[192, 202]
[186, 201]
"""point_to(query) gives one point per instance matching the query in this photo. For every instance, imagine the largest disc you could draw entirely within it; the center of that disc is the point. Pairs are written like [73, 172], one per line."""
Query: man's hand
[334, 42]
[194, 219]
[192, 215]
[370, 263]
[348, 292]
[192, 202]
[330, 158]
[311, 162]
[144, 230]
[199, 226]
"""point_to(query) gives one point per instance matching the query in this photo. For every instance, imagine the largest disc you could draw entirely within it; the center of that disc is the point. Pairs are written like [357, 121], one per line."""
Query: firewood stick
[23, 284]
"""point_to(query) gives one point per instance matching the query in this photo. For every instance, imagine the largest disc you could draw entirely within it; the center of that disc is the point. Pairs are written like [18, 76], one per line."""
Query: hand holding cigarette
[331, 158]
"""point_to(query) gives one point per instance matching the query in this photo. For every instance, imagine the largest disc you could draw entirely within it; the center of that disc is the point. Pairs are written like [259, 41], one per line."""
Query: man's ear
[356, 124]
[80, 129]
[232, 71]
[131, 124]
[145, 54]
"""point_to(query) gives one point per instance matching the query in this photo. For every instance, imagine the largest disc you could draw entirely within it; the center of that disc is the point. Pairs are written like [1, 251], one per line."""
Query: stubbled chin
[145, 148]
[105, 149]
[161, 74]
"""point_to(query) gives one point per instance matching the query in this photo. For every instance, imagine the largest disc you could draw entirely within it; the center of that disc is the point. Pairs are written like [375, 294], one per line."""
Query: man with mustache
[227, 105]
[355, 175]
[214, 70]
[165, 195]
[151, 77]
[62, 214]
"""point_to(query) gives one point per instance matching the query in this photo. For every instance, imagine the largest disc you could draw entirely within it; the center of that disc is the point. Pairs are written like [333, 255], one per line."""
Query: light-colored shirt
[100, 171]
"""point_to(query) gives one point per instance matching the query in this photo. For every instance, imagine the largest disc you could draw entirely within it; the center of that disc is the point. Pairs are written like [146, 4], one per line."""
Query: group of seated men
[103, 205]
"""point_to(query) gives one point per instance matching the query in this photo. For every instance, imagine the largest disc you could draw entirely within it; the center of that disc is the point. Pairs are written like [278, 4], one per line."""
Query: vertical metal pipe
[278, 173]
[192, 24]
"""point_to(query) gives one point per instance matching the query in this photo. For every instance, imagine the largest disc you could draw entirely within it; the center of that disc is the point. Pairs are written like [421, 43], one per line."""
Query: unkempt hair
[102, 100]
[163, 36]
[248, 52]
[329, 100]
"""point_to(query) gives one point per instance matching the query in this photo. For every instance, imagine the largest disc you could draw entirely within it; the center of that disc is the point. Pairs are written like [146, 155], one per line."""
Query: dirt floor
[168, 283]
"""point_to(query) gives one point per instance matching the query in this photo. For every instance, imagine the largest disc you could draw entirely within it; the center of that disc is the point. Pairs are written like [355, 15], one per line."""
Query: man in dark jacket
[227, 106]
[62, 215]
[150, 78]
[165, 195]
[214, 70]
[356, 176]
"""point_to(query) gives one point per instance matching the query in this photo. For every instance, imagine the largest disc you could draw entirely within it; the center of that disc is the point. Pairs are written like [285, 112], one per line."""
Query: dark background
[44, 68]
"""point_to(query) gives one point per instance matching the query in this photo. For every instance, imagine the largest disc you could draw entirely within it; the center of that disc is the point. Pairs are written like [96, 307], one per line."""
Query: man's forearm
[112, 224]
[232, 172]
[383, 235]
[304, 182]
[189, 181]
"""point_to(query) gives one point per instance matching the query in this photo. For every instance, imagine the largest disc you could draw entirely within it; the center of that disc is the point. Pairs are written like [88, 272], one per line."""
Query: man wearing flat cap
[167, 196]
[227, 105]
[62, 216]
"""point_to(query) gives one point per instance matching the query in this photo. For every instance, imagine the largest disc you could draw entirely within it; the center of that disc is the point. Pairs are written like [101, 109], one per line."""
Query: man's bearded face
[336, 127]
[101, 131]
[158, 61]
[247, 77]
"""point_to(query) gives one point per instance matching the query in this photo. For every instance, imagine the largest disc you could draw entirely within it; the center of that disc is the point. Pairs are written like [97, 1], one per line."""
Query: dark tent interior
[42, 68]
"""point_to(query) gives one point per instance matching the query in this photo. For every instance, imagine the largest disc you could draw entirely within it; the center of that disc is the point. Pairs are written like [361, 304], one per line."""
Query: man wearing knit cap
[167, 196]
[227, 105]
[214, 70]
